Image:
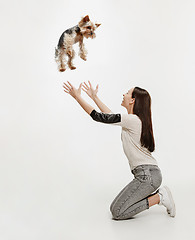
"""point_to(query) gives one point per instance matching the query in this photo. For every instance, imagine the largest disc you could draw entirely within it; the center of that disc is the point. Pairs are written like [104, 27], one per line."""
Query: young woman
[138, 143]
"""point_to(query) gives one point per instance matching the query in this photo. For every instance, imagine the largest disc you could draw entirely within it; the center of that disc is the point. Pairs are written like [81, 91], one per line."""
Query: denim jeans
[133, 198]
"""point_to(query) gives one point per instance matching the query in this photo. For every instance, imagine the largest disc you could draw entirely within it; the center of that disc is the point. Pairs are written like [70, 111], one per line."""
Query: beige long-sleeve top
[130, 136]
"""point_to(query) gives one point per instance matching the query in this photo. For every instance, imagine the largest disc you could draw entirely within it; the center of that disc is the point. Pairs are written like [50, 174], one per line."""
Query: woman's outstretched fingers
[84, 90]
[66, 85]
[66, 89]
[70, 84]
[86, 84]
[86, 87]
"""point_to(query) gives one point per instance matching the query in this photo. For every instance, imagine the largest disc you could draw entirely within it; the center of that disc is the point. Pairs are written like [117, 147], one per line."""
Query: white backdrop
[57, 164]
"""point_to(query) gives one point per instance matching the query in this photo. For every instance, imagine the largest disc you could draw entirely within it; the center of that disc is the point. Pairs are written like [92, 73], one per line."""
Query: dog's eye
[89, 27]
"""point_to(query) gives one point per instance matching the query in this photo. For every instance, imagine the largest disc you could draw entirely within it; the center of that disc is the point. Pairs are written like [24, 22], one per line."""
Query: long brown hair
[142, 108]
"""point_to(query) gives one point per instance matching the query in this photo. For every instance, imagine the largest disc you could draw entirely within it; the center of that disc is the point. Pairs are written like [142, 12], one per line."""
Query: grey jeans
[133, 198]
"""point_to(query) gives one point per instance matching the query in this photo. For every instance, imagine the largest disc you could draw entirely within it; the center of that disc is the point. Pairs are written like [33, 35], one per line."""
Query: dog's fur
[85, 28]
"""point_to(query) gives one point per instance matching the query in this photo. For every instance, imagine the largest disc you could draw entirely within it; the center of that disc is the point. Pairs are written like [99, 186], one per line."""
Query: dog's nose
[91, 33]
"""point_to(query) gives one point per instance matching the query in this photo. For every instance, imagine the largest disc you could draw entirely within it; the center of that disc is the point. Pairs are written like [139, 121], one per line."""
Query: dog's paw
[62, 69]
[72, 67]
[84, 58]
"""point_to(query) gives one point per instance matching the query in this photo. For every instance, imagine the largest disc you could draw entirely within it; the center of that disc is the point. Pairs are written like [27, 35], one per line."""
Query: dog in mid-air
[85, 28]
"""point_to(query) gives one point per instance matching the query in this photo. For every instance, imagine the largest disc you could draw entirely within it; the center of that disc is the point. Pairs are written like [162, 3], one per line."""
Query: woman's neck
[130, 109]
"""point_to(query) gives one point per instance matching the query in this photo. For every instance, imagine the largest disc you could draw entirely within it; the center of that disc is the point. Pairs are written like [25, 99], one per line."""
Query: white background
[60, 170]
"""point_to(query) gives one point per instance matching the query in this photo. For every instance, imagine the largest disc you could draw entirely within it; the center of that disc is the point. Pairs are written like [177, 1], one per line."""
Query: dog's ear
[97, 24]
[84, 20]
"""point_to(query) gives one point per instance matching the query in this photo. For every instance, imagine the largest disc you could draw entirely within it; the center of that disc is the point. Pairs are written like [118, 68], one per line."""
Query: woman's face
[127, 98]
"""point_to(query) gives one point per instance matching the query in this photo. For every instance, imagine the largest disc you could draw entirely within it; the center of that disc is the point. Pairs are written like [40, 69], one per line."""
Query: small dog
[85, 28]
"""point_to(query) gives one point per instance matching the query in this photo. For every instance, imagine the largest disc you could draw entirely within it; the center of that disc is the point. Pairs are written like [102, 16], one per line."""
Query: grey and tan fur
[85, 28]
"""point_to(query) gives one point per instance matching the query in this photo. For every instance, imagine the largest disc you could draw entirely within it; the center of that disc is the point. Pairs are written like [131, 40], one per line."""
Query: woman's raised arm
[86, 106]
[93, 95]
[115, 119]
[76, 94]
[101, 105]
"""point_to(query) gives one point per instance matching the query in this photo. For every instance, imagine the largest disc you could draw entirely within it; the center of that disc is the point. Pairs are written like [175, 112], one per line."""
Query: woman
[138, 143]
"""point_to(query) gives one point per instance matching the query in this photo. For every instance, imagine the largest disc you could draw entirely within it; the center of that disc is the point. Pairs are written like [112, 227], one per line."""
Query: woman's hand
[72, 90]
[90, 91]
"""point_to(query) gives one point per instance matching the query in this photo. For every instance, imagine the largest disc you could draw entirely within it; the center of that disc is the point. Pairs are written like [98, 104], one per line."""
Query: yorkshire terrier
[85, 28]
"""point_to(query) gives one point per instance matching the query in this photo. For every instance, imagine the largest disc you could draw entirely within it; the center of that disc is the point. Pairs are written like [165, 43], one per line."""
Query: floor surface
[72, 216]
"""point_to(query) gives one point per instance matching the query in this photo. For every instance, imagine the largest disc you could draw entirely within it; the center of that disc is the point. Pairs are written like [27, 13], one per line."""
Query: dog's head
[87, 28]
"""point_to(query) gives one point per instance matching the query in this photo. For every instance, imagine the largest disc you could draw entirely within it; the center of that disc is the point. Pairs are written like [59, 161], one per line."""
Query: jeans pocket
[144, 178]
[156, 179]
